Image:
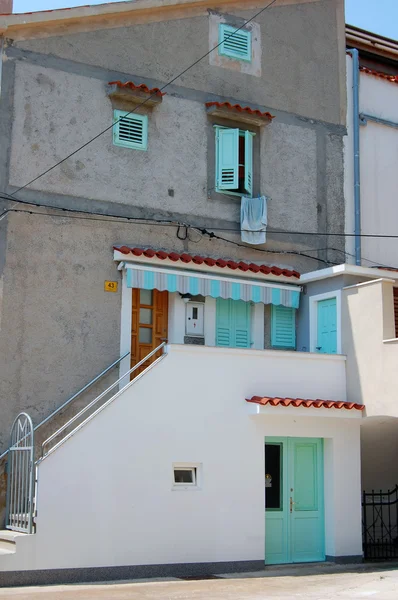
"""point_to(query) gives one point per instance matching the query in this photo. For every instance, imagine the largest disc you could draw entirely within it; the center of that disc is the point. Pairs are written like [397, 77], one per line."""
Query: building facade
[133, 246]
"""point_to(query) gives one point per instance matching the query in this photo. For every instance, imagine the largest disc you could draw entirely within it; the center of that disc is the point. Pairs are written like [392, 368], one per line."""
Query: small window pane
[145, 335]
[146, 316]
[146, 297]
[184, 476]
[273, 472]
[195, 312]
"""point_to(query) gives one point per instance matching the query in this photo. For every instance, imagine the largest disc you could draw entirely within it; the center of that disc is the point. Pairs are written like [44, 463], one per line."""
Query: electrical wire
[202, 231]
[145, 101]
[5, 196]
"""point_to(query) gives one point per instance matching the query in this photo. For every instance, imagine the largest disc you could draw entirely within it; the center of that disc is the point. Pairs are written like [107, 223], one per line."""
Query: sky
[378, 16]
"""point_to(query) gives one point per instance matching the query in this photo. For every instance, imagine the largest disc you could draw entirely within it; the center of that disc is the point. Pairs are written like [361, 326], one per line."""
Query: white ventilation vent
[130, 130]
[235, 44]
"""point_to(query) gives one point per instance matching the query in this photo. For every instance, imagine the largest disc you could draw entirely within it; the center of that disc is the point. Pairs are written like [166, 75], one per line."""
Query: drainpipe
[357, 183]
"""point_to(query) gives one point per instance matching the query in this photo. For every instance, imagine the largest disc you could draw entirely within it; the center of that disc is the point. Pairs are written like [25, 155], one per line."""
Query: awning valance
[149, 278]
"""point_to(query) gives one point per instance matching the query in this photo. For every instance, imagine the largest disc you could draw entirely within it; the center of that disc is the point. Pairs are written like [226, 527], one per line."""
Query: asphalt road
[342, 585]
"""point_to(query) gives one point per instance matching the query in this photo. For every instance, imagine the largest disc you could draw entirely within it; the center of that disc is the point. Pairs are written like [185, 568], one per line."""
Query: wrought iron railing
[380, 524]
[96, 400]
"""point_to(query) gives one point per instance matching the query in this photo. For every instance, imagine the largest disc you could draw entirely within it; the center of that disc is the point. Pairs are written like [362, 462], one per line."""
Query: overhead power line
[144, 102]
[5, 196]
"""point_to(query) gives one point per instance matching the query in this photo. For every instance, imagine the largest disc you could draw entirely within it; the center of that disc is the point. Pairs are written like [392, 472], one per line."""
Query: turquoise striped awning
[216, 287]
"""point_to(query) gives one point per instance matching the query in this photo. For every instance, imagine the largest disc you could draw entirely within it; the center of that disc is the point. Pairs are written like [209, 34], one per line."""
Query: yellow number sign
[110, 286]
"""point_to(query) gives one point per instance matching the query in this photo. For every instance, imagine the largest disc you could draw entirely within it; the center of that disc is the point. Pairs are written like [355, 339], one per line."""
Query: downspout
[357, 183]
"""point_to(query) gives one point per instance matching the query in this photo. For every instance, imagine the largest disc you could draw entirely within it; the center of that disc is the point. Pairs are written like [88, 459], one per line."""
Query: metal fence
[20, 476]
[380, 524]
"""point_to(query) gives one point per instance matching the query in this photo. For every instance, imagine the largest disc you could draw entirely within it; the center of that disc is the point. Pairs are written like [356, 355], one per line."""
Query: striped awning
[149, 278]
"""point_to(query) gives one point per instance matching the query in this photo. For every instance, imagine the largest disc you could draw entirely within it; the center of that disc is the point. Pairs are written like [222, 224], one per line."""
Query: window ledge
[391, 341]
[235, 112]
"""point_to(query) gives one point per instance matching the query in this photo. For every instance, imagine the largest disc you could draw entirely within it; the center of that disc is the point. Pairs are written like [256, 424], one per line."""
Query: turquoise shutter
[249, 162]
[223, 323]
[227, 159]
[235, 43]
[241, 313]
[283, 327]
[130, 130]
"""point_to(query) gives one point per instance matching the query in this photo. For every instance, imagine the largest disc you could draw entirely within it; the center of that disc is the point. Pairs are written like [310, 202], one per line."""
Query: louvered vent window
[130, 130]
[235, 44]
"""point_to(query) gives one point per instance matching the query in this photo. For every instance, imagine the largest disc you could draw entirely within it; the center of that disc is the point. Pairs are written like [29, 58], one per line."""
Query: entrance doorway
[294, 507]
[149, 325]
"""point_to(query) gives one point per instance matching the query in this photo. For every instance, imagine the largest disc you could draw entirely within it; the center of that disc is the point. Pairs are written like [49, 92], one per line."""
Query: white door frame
[313, 307]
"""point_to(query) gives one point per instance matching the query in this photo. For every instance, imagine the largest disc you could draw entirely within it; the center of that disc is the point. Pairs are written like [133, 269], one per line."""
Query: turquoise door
[294, 511]
[327, 326]
[232, 323]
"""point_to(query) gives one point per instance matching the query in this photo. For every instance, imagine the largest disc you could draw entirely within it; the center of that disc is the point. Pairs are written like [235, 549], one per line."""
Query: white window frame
[313, 309]
[187, 466]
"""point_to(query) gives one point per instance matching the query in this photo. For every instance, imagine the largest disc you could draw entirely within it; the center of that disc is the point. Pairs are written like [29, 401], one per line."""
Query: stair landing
[8, 541]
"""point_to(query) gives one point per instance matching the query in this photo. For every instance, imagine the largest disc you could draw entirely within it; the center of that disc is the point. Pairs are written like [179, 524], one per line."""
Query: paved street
[381, 584]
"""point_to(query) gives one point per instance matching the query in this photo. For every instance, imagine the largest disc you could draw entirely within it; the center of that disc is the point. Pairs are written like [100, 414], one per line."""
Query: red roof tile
[240, 108]
[141, 86]
[210, 262]
[387, 76]
[264, 400]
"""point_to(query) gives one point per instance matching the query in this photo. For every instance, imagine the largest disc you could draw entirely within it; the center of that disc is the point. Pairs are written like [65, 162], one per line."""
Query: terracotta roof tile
[240, 108]
[132, 86]
[210, 262]
[296, 402]
[387, 76]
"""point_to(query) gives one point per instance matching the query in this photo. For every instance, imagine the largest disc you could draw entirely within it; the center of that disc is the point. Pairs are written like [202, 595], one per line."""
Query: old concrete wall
[294, 160]
[300, 58]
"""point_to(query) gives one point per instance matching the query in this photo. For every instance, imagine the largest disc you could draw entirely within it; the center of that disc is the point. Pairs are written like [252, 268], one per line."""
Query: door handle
[291, 504]
[318, 347]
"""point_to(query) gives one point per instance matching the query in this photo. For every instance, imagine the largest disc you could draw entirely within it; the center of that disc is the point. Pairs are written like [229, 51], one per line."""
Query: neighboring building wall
[378, 159]
[203, 420]
[379, 449]
[59, 328]
[370, 347]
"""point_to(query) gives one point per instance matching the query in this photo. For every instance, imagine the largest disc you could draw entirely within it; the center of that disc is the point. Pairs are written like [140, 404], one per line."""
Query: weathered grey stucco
[58, 327]
[300, 57]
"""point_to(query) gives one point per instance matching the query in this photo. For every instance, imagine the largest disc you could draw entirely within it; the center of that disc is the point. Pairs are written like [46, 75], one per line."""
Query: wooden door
[294, 507]
[149, 325]
[327, 326]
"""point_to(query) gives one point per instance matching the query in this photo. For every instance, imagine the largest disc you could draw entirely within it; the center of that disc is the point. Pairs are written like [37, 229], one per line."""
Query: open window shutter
[223, 323]
[249, 163]
[227, 158]
[241, 323]
[283, 327]
[395, 291]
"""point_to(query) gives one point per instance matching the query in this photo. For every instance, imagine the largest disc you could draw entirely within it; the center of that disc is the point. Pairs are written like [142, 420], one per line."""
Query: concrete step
[8, 541]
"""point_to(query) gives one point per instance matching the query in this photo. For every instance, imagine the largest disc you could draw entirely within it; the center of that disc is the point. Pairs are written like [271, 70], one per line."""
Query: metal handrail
[93, 402]
[86, 387]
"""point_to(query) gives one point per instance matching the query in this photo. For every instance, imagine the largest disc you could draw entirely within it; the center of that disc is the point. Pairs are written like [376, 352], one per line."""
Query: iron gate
[20, 480]
[380, 524]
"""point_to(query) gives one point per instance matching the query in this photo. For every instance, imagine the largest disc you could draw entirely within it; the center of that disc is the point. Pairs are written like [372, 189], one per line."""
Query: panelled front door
[327, 326]
[148, 324]
[294, 508]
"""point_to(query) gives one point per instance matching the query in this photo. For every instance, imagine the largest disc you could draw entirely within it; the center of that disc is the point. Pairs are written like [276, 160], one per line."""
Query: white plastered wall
[105, 497]
[378, 160]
